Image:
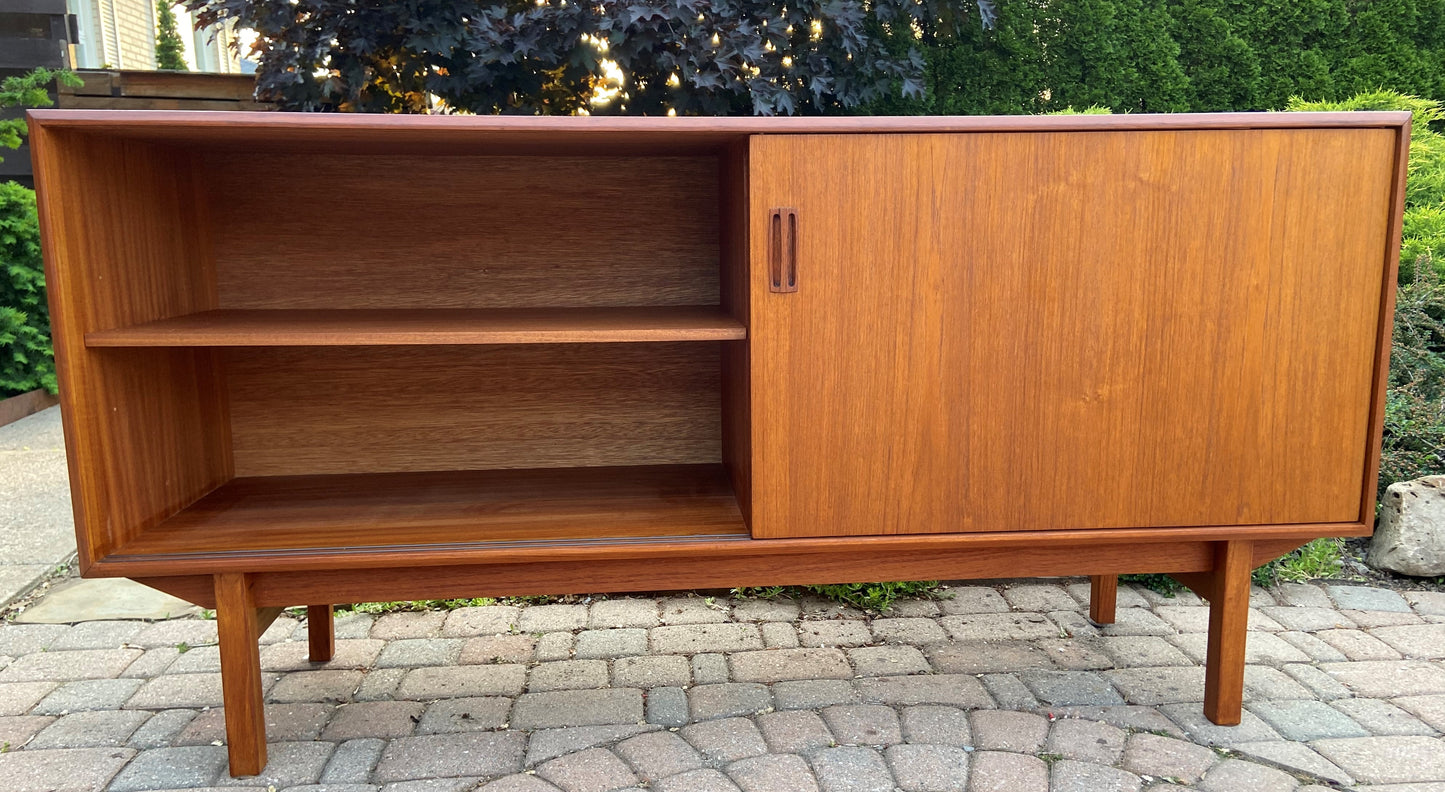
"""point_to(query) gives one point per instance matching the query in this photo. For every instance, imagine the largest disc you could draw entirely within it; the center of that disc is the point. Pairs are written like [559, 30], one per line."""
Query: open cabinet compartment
[426, 349]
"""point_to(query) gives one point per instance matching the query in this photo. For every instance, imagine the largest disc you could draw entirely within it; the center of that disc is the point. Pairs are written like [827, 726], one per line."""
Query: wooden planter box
[310, 359]
[24, 405]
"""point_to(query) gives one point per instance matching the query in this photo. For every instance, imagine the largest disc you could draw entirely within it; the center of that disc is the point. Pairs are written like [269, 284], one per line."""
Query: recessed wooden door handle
[783, 250]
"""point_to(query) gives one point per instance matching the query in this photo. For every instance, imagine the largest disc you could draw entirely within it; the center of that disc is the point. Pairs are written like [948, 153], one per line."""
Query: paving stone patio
[1002, 687]
[37, 532]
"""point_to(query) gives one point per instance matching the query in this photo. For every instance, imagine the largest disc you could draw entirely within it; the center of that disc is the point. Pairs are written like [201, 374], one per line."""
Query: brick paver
[619, 642]
[998, 730]
[577, 708]
[692, 638]
[955, 689]
[929, 768]
[775, 773]
[490, 620]
[444, 682]
[1387, 760]
[71, 769]
[1008, 692]
[465, 714]
[863, 724]
[623, 613]
[996, 771]
[1166, 757]
[986, 688]
[1233, 775]
[651, 672]
[657, 755]
[834, 633]
[97, 729]
[66, 666]
[778, 665]
[592, 770]
[727, 700]
[852, 770]
[443, 755]
[726, 740]
[794, 731]
[888, 660]
[1086, 741]
[568, 675]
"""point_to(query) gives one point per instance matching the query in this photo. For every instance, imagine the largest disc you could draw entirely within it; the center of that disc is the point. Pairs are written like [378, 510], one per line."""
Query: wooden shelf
[400, 513]
[429, 326]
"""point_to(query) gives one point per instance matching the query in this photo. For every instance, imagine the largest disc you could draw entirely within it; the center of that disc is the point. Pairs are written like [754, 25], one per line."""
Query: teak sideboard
[315, 359]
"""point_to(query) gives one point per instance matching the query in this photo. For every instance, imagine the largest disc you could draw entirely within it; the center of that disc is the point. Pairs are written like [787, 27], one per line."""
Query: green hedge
[1414, 442]
[1182, 55]
[26, 362]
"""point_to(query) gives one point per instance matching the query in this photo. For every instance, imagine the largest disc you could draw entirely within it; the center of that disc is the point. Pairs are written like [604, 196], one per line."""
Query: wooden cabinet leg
[321, 632]
[1228, 628]
[1103, 596]
[238, 623]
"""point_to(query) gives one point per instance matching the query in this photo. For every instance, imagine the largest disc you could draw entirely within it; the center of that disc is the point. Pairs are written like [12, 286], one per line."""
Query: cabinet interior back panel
[358, 231]
[299, 411]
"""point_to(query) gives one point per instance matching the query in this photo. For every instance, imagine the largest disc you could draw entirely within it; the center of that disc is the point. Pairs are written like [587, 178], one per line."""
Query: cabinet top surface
[624, 133]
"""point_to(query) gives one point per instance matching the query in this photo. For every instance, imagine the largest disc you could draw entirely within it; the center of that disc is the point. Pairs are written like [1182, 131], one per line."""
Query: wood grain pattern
[306, 411]
[734, 266]
[609, 135]
[1228, 626]
[238, 627]
[200, 590]
[1103, 598]
[1384, 329]
[380, 327]
[666, 565]
[1266, 550]
[266, 616]
[25, 404]
[182, 85]
[267, 518]
[1201, 583]
[320, 632]
[1085, 330]
[775, 554]
[141, 103]
[464, 232]
[700, 571]
[145, 429]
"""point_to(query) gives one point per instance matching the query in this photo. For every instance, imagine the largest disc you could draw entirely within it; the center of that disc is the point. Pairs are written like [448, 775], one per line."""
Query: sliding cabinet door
[1026, 331]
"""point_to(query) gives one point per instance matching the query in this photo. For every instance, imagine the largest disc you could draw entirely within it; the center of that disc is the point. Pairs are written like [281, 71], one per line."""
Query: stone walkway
[1005, 687]
[37, 532]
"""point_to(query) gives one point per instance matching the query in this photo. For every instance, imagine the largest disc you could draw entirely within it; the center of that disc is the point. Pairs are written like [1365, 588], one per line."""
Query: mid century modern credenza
[311, 359]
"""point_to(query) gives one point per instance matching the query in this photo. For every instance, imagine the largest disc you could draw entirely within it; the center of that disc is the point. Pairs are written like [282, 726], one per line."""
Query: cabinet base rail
[241, 620]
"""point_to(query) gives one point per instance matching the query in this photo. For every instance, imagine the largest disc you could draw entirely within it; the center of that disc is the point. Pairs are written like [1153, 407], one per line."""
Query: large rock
[1410, 537]
[103, 599]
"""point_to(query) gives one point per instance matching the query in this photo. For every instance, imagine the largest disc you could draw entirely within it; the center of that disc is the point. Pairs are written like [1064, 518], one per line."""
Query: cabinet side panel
[1385, 329]
[298, 411]
[144, 428]
[736, 387]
